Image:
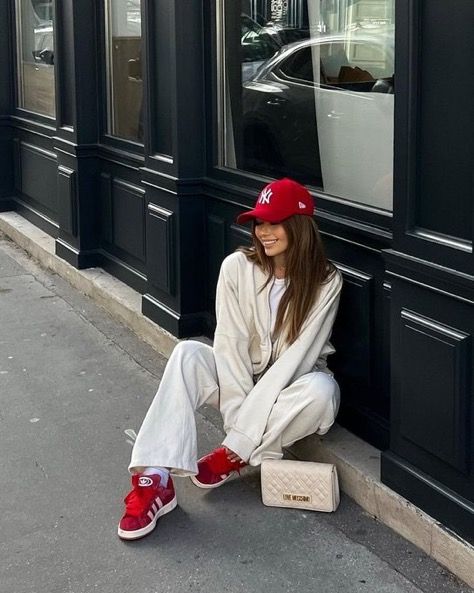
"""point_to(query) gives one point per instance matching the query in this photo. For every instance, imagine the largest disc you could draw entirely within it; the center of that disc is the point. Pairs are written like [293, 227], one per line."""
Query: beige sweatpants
[167, 437]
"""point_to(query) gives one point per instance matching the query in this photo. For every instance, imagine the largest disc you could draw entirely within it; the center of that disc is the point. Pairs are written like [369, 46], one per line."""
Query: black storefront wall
[174, 167]
[162, 218]
[50, 174]
[137, 211]
[75, 141]
[430, 265]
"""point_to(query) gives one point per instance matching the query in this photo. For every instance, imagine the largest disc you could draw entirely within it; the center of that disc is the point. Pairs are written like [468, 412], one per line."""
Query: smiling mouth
[269, 243]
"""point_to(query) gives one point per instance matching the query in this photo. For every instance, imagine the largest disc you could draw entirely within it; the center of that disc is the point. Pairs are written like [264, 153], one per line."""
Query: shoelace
[137, 500]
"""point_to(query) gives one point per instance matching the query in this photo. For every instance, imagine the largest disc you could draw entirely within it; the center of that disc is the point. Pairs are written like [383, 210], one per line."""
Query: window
[307, 91]
[35, 56]
[124, 69]
[257, 45]
[298, 66]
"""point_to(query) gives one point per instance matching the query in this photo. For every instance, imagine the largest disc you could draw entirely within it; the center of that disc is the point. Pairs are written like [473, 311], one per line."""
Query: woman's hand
[233, 457]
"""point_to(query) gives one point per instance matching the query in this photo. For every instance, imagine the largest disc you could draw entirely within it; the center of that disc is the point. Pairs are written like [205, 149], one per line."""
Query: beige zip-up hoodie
[243, 348]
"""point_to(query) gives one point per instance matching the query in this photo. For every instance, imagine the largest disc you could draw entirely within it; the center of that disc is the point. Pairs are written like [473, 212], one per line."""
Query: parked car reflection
[259, 43]
[43, 14]
[322, 110]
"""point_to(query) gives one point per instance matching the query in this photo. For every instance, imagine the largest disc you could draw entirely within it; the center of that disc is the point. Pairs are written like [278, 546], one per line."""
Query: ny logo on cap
[265, 196]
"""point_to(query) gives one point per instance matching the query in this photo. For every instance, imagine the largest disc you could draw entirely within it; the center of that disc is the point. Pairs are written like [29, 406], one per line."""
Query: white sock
[161, 471]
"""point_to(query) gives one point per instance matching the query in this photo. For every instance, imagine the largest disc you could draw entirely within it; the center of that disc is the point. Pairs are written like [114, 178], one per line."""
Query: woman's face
[274, 239]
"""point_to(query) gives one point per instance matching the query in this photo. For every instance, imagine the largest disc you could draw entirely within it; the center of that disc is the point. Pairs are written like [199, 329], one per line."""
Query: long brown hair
[307, 269]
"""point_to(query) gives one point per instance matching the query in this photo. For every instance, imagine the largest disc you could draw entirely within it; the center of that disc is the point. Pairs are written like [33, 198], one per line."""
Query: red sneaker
[145, 504]
[215, 468]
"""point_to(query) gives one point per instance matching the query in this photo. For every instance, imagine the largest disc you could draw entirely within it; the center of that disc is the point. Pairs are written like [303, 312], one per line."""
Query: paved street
[73, 382]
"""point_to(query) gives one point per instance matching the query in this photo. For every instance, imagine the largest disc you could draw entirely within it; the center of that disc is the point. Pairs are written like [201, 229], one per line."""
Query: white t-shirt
[276, 292]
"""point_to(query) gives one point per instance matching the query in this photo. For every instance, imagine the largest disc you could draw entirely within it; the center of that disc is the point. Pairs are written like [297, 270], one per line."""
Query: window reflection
[308, 93]
[35, 50]
[124, 72]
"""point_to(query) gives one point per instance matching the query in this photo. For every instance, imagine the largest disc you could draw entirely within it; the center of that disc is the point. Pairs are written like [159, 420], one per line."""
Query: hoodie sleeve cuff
[240, 444]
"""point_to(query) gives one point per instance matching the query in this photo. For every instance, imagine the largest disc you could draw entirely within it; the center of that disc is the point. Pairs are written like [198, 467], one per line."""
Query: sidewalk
[73, 380]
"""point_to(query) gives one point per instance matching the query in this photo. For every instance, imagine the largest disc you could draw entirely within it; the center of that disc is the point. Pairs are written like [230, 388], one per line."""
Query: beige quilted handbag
[300, 485]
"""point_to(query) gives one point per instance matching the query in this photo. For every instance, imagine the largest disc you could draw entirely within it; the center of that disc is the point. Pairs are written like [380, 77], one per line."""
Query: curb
[358, 463]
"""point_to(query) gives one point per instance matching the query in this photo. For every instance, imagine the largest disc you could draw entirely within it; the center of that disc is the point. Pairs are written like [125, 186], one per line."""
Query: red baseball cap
[279, 200]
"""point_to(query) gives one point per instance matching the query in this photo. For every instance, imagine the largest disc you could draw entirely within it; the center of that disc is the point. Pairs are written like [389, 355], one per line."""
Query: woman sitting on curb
[266, 373]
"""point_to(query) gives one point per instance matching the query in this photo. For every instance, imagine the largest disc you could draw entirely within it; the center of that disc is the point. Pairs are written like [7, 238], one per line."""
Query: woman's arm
[231, 344]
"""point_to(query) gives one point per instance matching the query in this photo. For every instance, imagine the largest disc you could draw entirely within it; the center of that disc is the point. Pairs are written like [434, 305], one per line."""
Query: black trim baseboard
[78, 259]
[365, 424]
[454, 511]
[181, 326]
[37, 218]
[7, 204]
[121, 270]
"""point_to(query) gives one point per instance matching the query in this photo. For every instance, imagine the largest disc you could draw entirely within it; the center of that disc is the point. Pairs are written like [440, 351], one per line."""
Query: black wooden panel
[17, 164]
[106, 227]
[386, 350]
[38, 177]
[6, 158]
[446, 142]
[67, 199]
[216, 237]
[160, 84]
[433, 390]
[35, 175]
[238, 237]
[353, 335]
[433, 143]
[432, 415]
[7, 79]
[128, 215]
[64, 62]
[361, 363]
[117, 166]
[190, 123]
[161, 243]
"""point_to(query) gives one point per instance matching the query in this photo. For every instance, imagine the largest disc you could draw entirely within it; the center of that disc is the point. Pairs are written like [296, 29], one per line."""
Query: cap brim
[246, 216]
[253, 214]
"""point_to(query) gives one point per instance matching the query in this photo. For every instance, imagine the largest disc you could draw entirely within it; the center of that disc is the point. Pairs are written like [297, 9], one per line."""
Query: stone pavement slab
[72, 381]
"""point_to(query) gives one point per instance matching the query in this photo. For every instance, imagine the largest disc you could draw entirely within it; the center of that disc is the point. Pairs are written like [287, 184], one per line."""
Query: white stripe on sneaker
[138, 533]
[159, 502]
[154, 507]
